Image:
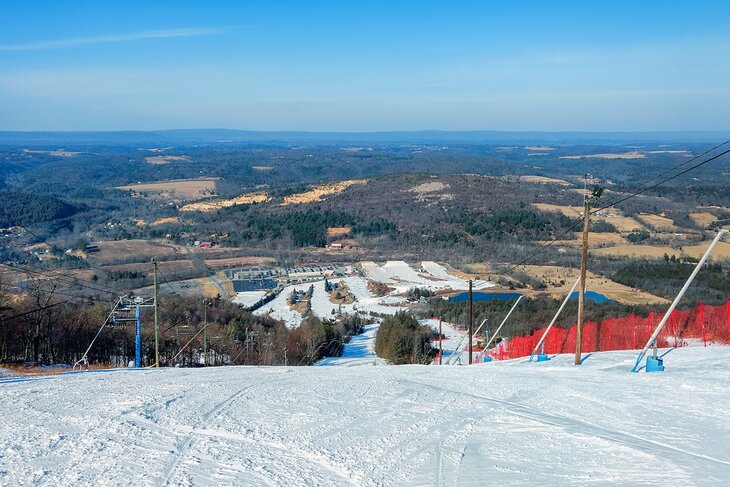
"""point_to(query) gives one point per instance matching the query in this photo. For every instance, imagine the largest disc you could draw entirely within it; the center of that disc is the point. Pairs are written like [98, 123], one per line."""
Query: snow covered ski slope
[508, 423]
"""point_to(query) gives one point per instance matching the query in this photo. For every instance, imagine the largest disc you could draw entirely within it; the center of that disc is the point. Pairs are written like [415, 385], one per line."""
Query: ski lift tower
[129, 309]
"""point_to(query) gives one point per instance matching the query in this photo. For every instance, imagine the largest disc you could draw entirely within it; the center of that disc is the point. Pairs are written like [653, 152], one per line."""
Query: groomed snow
[322, 306]
[507, 423]
[249, 298]
[403, 277]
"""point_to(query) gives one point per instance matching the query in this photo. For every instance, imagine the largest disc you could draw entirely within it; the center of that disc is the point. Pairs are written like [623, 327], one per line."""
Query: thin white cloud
[83, 41]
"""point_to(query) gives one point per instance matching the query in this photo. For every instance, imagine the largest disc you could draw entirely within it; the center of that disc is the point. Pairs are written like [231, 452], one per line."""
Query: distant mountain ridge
[231, 136]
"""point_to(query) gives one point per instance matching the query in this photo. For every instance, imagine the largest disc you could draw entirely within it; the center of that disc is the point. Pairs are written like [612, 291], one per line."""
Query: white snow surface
[403, 277]
[279, 307]
[249, 298]
[360, 350]
[502, 423]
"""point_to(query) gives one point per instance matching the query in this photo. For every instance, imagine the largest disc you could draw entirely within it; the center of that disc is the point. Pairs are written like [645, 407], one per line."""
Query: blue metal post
[138, 339]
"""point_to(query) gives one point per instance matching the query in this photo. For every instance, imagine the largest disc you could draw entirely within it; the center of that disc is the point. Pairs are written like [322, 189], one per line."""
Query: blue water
[592, 296]
[478, 296]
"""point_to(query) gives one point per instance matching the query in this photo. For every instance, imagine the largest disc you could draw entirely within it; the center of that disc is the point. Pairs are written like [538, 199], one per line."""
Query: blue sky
[361, 66]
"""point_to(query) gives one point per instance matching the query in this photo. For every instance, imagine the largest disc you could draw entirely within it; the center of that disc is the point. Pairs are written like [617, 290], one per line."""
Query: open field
[244, 199]
[721, 252]
[166, 159]
[181, 189]
[657, 222]
[430, 187]
[56, 152]
[167, 220]
[544, 180]
[232, 262]
[623, 223]
[167, 267]
[622, 155]
[569, 211]
[703, 218]
[319, 192]
[553, 275]
[595, 240]
[338, 231]
[511, 422]
[117, 251]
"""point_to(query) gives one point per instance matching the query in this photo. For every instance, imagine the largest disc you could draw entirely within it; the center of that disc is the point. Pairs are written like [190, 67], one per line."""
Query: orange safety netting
[700, 325]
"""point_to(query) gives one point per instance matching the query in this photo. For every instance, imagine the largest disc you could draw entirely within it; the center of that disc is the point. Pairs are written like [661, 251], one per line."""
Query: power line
[34, 310]
[640, 192]
[577, 222]
[70, 280]
[18, 224]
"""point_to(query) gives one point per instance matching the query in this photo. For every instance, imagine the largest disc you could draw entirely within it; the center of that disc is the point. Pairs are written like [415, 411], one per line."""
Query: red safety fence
[699, 326]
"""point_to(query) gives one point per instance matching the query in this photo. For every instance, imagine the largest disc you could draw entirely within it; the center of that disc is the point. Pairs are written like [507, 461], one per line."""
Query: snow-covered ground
[279, 307]
[249, 298]
[403, 277]
[506, 423]
[454, 338]
[360, 350]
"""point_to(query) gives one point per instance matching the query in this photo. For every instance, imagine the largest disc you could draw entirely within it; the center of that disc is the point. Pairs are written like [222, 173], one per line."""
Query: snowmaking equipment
[542, 356]
[656, 363]
[499, 328]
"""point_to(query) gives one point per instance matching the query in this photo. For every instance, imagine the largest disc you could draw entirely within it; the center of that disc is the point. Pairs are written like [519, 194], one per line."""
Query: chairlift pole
[205, 332]
[157, 330]
[441, 343]
[138, 337]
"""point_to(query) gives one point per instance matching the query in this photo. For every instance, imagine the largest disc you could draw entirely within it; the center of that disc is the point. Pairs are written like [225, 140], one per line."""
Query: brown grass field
[544, 180]
[166, 266]
[721, 252]
[338, 231]
[162, 221]
[319, 192]
[181, 189]
[657, 222]
[622, 155]
[234, 262]
[703, 218]
[595, 240]
[622, 223]
[137, 250]
[244, 199]
[166, 159]
[552, 275]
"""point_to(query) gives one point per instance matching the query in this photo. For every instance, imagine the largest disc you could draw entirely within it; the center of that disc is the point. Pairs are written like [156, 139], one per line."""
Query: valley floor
[505, 423]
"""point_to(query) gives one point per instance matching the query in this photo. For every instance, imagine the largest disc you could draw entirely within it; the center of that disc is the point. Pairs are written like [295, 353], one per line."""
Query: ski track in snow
[502, 423]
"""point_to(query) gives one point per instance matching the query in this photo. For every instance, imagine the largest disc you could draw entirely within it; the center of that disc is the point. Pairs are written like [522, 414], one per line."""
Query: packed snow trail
[360, 350]
[503, 423]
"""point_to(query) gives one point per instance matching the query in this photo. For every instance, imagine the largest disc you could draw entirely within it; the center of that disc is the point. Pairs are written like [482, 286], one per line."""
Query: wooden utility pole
[157, 333]
[582, 292]
[205, 332]
[441, 342]
[471, 321]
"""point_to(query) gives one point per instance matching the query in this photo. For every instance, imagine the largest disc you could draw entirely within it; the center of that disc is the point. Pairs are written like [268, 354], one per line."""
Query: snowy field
[360, 350]
[249, 298]
[431, 275]
[324, 308]
[508, 423]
